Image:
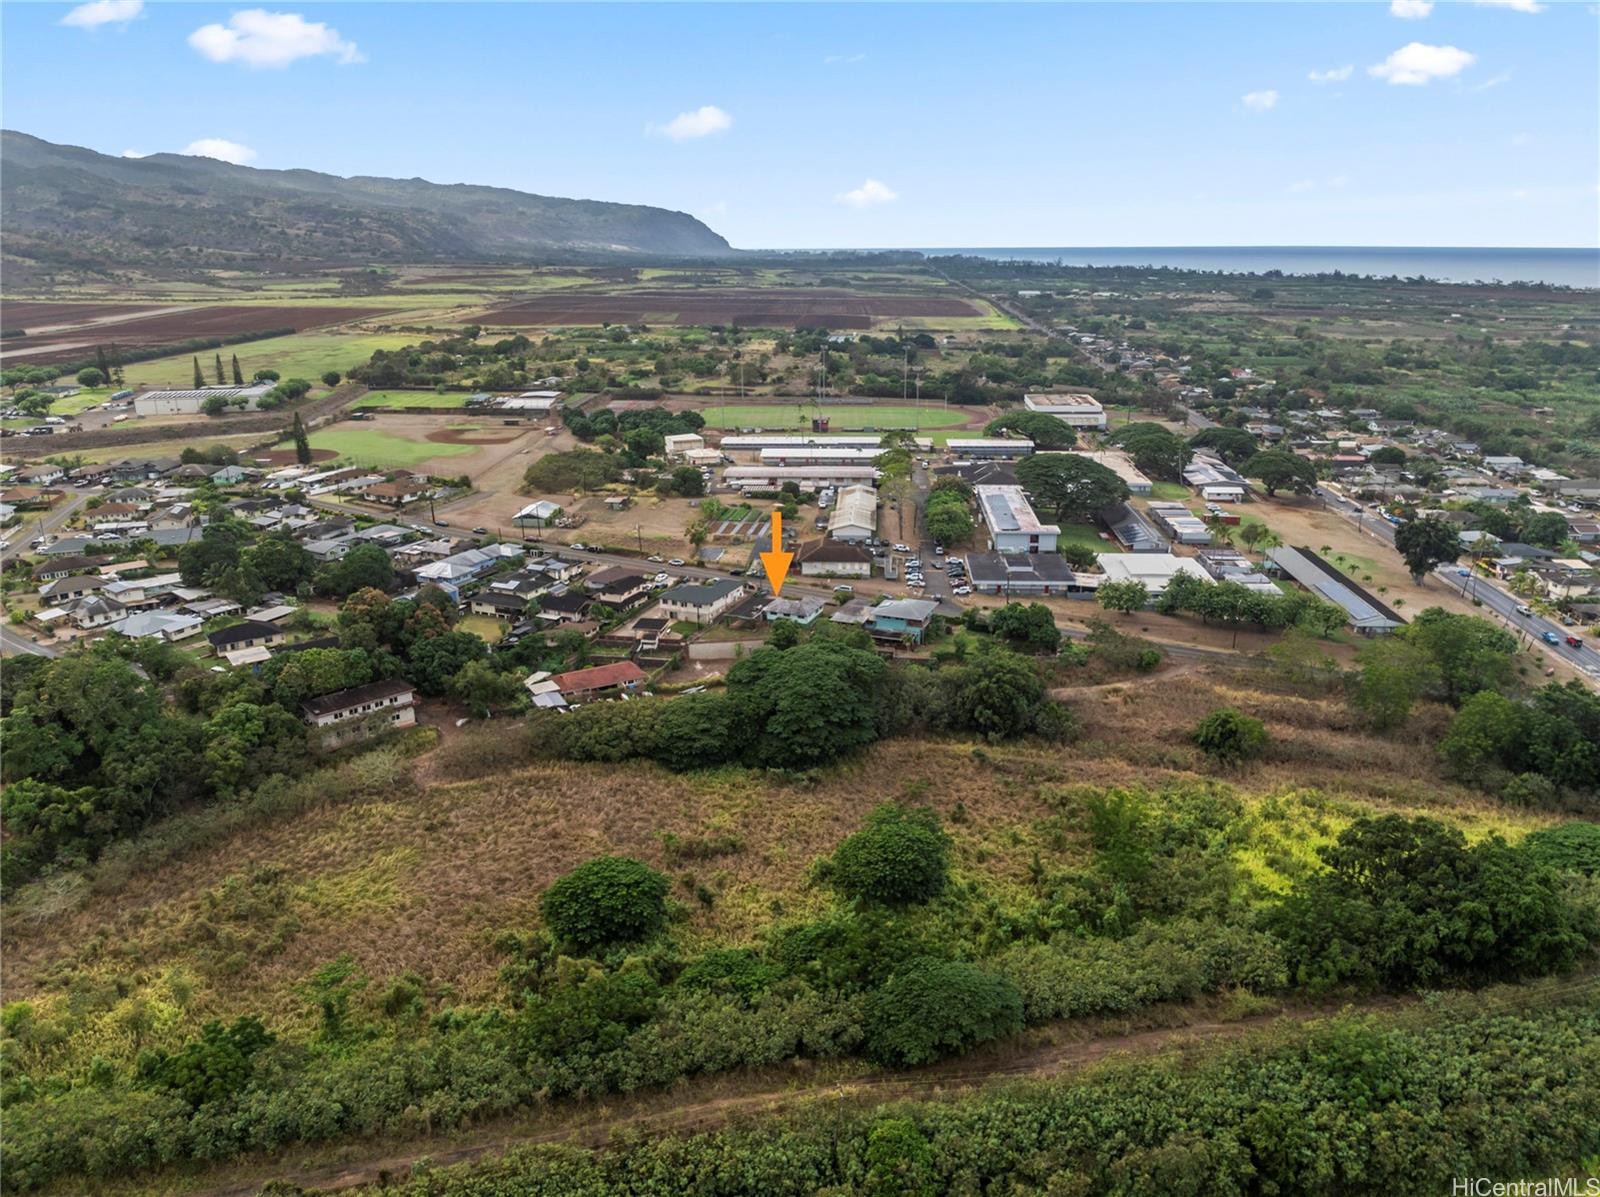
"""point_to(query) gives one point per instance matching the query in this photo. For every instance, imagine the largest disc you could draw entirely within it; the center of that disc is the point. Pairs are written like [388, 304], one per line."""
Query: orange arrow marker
[777, 561]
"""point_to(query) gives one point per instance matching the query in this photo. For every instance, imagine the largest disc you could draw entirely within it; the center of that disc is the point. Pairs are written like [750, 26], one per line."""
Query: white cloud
[103, 12]
[702, 122]
[1260, 101]
[258, 38]
[1494, 81]
[135, 154]
[1416, 63]
[220, 148]
[1302, 186]
[1339, 181]
[842, 59]
[1410, 10]
[1333, 75]
[869, 194]
[1514, 5]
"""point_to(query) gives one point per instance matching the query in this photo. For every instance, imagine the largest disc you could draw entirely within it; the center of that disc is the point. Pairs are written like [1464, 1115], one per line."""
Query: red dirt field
[283, 457]
[475, 436]
[168, 328]
[750, 308]
[33, 314]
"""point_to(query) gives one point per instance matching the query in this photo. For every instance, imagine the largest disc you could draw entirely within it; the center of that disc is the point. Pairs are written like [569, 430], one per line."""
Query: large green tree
[1281, 470]
[1070, 485]
[1426, 542]
[1045, 431]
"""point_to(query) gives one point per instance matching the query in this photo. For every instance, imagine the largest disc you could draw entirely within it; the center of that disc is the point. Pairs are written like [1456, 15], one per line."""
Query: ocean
[1558, 267]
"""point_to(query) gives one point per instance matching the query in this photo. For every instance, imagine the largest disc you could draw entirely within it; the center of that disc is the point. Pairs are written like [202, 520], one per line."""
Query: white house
[1076, 409]
[360, 712]
[855, 514]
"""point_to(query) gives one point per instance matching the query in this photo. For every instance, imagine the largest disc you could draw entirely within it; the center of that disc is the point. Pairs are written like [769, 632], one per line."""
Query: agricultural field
[75, 338]
[300, 355]
[747, 307]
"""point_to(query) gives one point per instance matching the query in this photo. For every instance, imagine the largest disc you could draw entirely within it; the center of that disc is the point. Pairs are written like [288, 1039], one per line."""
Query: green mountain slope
[65, 205]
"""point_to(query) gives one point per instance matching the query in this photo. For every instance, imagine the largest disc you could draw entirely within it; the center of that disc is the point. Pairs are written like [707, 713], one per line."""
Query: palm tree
[1220, 532]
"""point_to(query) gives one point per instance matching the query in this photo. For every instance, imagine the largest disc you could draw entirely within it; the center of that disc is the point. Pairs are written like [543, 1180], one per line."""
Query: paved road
[15, 642]
[12, 641]
[1528, 628]
[46, 522]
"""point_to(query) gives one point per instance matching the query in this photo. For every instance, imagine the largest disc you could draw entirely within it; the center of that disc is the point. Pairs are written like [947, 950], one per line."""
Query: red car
[1574, 641]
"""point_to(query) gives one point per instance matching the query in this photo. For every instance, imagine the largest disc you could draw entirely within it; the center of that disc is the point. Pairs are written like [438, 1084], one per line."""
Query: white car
[663, 578]
[655, 559]
[902, 548]
[1524, 609]
[676, 561]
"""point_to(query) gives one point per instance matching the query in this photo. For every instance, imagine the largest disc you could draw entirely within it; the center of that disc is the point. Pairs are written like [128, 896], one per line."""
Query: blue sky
[1456, 124]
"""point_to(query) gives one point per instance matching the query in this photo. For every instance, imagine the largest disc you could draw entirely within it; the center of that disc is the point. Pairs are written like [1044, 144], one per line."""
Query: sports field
[407, 399]
[305, 355]
[368, 446]
[929, 418]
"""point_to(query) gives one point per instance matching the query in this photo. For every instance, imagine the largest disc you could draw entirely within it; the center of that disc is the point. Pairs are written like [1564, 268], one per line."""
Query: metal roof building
[1013, 525]
[1367, 615]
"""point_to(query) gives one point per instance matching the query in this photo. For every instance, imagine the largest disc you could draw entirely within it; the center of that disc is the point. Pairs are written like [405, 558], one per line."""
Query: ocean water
[1558, 267]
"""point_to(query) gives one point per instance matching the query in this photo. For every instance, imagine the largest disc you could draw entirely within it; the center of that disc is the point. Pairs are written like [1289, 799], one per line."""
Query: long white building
[1077, 409]
[812, 455]
[1013, 525]
[754, 443]
[761, 477]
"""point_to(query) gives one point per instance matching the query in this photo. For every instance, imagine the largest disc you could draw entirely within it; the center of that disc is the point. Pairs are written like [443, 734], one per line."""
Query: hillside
[68, 206]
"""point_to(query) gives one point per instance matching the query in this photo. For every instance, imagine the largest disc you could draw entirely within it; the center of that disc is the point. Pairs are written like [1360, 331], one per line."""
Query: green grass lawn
[1088, 537]
[1174, 492]
[407, 399]
[368, 446]
[300, 355]
[486, 627]
[935, 422]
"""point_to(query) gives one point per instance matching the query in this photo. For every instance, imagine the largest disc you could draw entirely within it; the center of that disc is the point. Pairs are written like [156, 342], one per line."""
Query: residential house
[248, 634]
[66, 567]
[599, 681]
[347, 716]
[70, 589]
[97, 612]
[166, 625]
[399, 492]
[701, 602]
[571, 607]
[499, 604]
[617, 587]
[834, 559]
[901, 620]
[803, 611]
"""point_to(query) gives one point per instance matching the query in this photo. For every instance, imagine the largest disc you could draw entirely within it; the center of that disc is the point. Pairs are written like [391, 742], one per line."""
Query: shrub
[1230, 737]
[899, 857]
[609, 900]
[1571, 847]
[936, 1008]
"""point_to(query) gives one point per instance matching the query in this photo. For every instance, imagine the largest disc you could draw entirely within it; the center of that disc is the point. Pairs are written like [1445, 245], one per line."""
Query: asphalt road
[50, 521]
[1530, 629]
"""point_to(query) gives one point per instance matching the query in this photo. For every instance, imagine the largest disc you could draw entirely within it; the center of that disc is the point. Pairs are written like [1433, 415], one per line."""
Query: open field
[375, 447]
[45, 316]
[747, 307]
[70, 342]
[842, 417]
[299, 355]
[405, 399]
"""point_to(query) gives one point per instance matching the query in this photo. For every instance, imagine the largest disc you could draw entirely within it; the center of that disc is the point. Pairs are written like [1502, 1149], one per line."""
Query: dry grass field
[418, 863]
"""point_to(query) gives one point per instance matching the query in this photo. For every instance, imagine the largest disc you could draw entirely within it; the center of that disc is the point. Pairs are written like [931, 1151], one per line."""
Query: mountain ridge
[75, 207]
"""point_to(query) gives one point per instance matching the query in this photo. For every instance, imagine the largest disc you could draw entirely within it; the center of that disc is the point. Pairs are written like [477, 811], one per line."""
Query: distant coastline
[1576, 267]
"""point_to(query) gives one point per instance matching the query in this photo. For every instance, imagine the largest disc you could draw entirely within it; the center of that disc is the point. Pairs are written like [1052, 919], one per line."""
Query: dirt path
[596, 1126]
